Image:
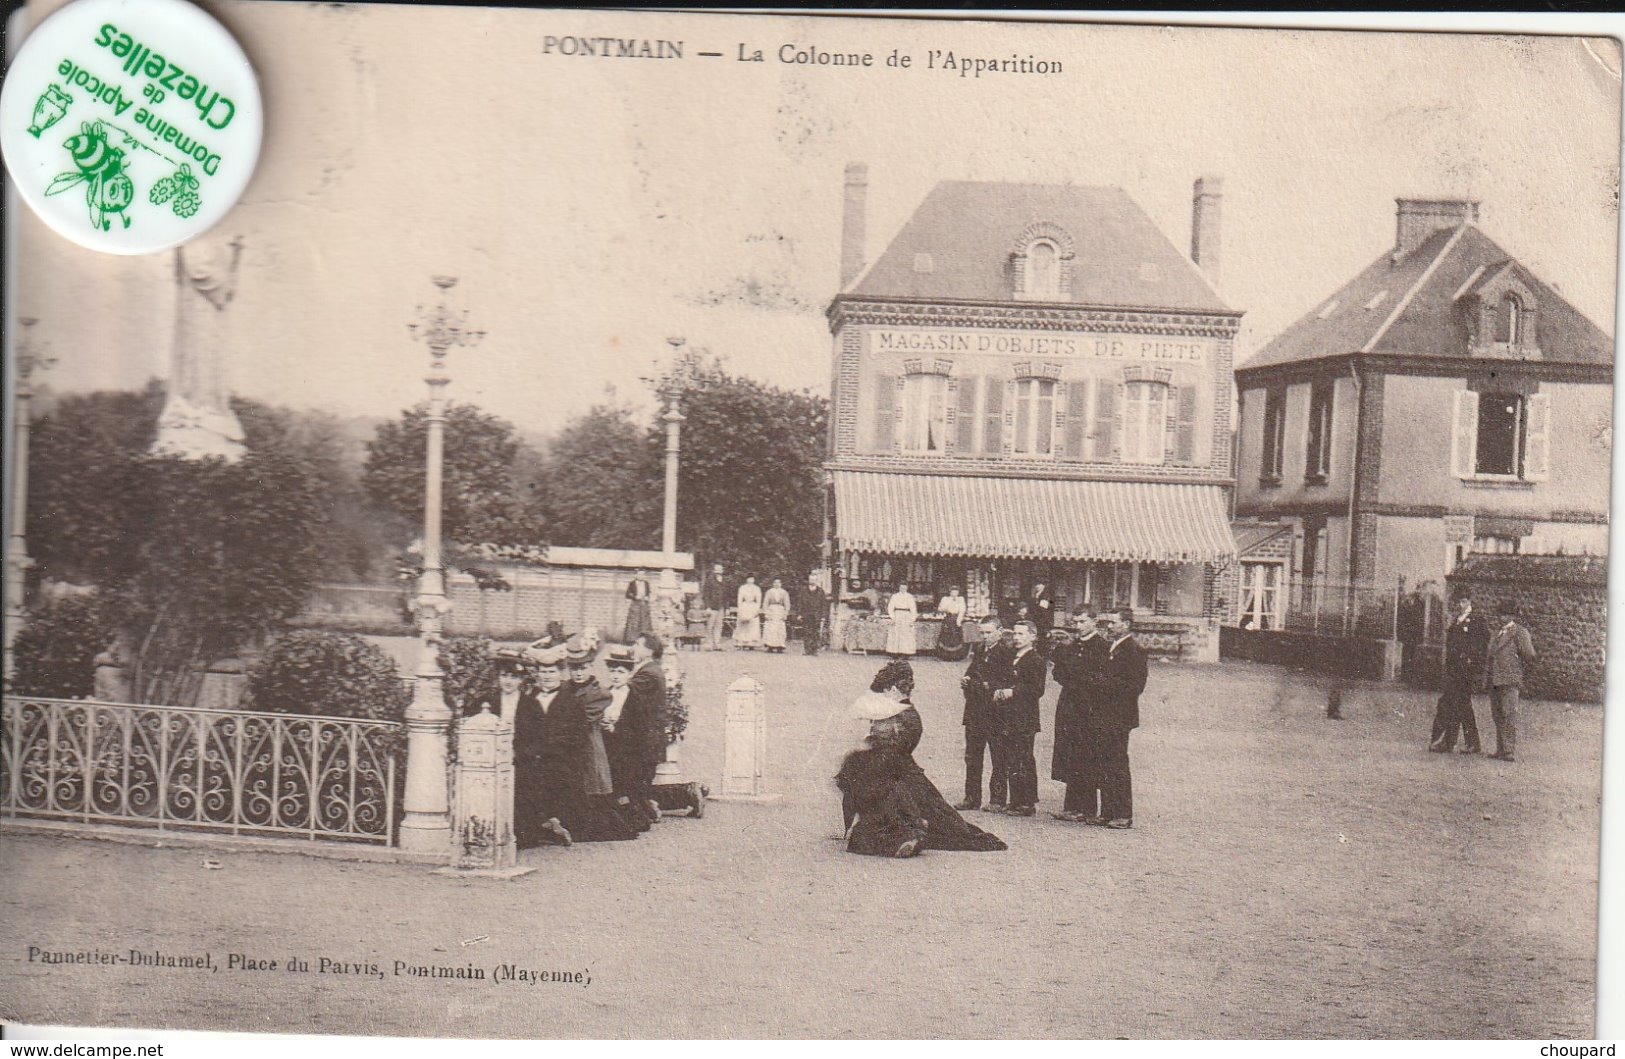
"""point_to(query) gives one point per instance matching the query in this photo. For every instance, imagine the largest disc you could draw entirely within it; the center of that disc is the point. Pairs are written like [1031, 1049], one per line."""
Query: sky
[593, 208]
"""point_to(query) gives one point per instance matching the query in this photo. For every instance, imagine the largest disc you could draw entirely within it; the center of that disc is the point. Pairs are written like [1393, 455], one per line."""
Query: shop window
[1034, 417]
[1318, 464]
[1260, 596]
[1145, 422]
[925, 413]
[1145, 591]
[1502, 436]
[1270, 452]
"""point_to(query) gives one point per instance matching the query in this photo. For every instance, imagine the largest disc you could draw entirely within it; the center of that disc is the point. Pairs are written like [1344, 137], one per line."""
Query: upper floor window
[1043, 270]
[924, 426]
[1145, 422]
[1270, 452]
[1501, 436]
[1509, 320]
[1034, 417]
[1318, 462]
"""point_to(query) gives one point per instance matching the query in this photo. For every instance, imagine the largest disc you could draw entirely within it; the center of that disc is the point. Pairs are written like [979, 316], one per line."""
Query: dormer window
[1043, 271]
[1509, 320]
[1040, 267]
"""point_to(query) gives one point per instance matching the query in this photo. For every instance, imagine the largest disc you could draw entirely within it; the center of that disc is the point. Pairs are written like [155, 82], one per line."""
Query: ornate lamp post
[27, 358]
[671, 393]
[426, 825]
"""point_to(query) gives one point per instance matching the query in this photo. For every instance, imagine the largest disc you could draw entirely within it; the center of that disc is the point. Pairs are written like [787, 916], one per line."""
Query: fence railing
[1331, 609]
[221, 771]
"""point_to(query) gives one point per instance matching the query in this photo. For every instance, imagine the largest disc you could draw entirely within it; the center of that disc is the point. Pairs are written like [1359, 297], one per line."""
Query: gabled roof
[968, 229]
[1410, 307]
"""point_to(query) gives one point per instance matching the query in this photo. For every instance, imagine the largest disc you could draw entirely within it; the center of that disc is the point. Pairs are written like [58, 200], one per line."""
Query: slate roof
[1410, 308]
[970, 228]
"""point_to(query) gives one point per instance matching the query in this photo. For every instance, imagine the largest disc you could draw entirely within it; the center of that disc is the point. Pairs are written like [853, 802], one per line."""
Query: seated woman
[890, 807]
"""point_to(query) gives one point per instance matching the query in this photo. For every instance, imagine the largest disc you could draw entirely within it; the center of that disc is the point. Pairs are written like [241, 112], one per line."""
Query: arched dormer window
[1509, 320]
[1041, 263]
[1043, 271]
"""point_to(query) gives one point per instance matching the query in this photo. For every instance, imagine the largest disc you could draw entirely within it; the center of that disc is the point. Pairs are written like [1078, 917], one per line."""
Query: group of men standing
[1101, 671]
[1475, 656]
[584, 755]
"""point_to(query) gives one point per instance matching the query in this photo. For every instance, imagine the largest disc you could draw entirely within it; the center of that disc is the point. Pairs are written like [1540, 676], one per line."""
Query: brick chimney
[1206, 198]
[1419, 218]
[853, 215]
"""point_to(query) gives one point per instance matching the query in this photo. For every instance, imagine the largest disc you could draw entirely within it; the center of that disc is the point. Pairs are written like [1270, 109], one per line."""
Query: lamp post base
[431, 834]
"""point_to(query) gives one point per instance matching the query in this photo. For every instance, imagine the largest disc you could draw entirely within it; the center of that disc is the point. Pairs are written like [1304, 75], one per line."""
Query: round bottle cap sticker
[130, 126]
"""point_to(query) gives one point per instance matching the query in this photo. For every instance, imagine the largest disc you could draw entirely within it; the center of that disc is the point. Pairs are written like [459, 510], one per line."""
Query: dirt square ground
[1287, 876]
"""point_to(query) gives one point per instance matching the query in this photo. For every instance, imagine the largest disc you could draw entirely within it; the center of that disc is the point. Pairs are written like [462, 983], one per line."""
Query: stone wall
[1563, 601]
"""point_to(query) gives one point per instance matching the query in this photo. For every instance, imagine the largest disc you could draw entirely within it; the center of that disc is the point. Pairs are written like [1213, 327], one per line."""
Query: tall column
[671, 592]
[26, 359]
[426, 824]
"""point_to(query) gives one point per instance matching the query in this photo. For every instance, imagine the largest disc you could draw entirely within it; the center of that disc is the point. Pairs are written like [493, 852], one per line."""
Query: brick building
[1445, 401]
[1033, 384]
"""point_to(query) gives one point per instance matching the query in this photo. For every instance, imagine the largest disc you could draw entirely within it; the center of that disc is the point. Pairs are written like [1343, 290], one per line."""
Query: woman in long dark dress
[889, 805]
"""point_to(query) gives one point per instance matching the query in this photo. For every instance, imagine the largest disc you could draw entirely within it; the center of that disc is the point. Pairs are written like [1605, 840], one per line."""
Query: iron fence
[221, 771]
[1328, 608]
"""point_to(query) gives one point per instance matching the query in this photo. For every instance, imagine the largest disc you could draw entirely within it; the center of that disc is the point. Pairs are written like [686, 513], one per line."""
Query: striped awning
[1026, 518]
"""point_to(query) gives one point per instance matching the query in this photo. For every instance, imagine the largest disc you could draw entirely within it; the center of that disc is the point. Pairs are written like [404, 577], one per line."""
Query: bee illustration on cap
[52, 104]
[100, 165]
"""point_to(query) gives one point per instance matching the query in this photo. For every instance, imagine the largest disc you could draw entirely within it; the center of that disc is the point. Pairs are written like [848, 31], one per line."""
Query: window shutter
[992, 415]
[966, 432]
[950, 415]
[885, 436]
[1537, 446]
[1185, 427]
[1059, 446]
[1075, 436]
[1105, 418]
[1464, 435]
[1007, 427]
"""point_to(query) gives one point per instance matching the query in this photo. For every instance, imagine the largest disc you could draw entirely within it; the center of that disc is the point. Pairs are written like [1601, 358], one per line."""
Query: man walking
[1017, 704]
[1510, 652]
[1116, 714]
[987, 659]
[1466, 642]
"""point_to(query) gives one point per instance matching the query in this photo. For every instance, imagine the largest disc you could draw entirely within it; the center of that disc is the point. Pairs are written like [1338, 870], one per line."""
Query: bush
[333, 674]
[56, 650]
[470, 670]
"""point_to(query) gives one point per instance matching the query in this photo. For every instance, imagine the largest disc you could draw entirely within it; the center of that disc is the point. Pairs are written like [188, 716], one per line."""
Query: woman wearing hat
[889, 806]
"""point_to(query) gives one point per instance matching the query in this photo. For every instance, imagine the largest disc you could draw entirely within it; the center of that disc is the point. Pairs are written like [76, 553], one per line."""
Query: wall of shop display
[998, 586]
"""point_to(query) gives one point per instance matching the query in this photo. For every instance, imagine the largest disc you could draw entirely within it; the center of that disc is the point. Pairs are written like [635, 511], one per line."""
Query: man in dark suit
[1041, 611]
[814, 615]
[716, 596]
[1115, 714]
[982, 675]
[1077, 668]
[1017, 706]
[1511, 653]
[1466, 641]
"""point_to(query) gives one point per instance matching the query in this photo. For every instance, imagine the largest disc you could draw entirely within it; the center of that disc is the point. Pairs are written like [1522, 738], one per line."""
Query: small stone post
[744, 744]
[482, 821]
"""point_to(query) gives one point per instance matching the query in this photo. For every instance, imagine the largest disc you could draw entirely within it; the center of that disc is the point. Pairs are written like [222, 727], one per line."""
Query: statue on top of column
[197, 421]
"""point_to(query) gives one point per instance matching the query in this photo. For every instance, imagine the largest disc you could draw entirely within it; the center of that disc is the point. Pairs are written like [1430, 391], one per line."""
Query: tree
[749, 479]
[80, 487]
[481, 502]
[599, 485]
[55, 652]
[223, 554]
